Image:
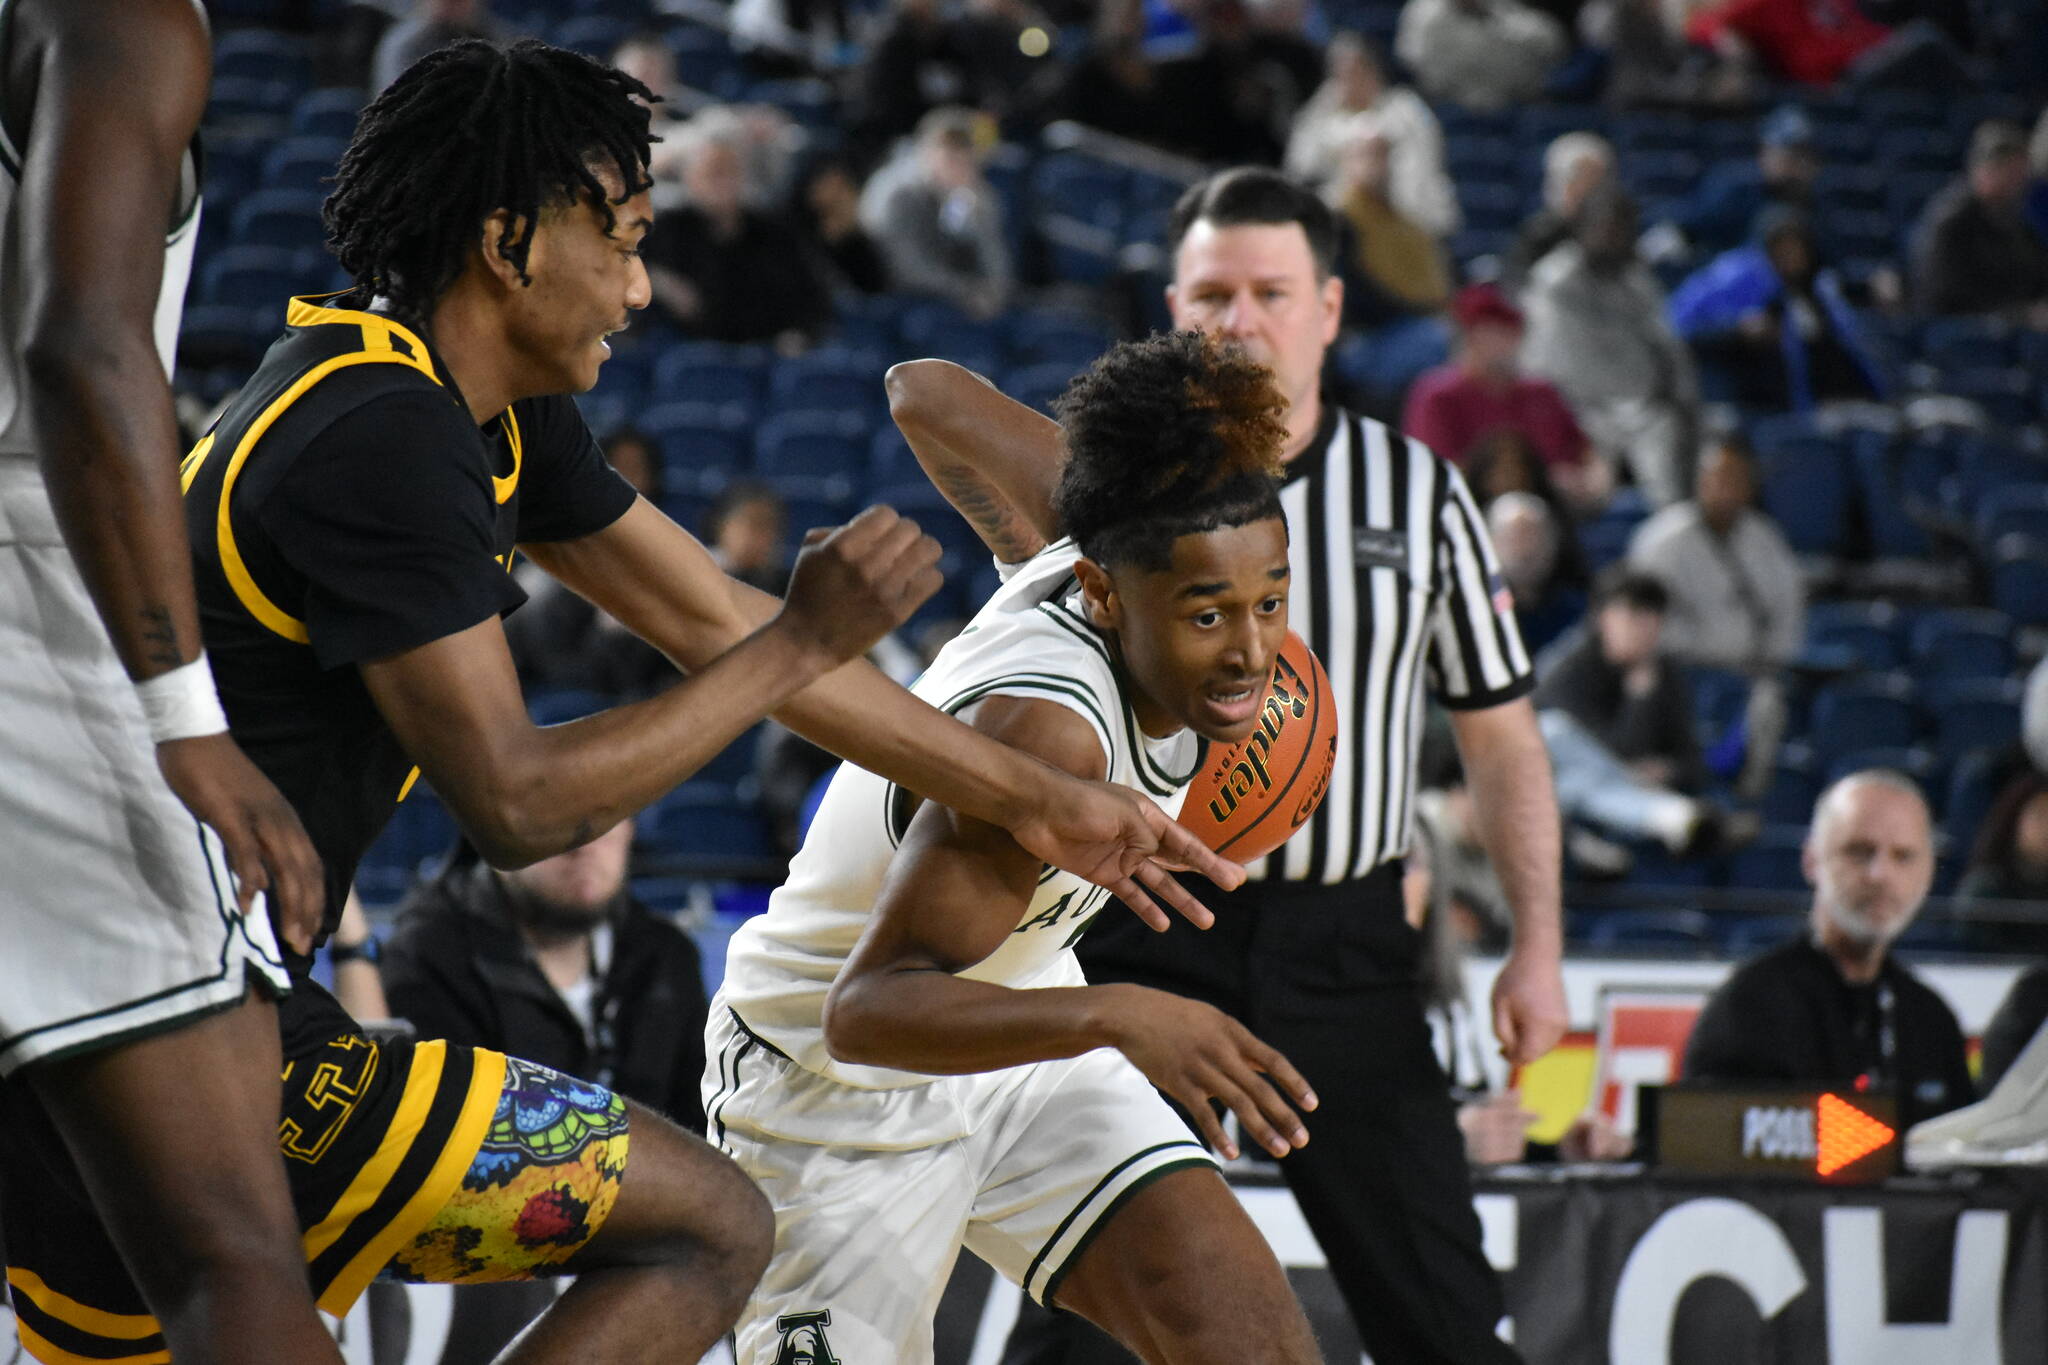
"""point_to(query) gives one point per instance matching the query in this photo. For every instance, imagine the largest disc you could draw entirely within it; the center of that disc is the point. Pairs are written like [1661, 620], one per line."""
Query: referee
[1396, 589]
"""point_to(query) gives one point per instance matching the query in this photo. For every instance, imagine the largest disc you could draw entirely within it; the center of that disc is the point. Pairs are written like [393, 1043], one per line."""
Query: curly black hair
[1173, 435]
[467, 130]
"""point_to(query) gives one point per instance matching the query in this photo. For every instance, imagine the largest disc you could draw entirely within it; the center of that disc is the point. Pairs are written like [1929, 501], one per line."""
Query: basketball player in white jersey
[135, 838]
[905, 1055]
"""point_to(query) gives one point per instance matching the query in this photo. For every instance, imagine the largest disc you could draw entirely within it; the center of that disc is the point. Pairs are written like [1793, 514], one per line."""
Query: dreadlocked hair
[468, 130]
[1174, 435]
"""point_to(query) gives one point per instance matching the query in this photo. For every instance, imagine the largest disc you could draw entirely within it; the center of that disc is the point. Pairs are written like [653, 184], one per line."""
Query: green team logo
[803, 1339]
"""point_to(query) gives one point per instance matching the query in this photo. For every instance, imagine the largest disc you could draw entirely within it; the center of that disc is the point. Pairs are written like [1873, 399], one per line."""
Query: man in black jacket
[559, 963]
[1836, 1007]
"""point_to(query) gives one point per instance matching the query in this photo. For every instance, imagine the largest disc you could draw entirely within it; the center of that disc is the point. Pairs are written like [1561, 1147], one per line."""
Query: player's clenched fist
[1196, 1054]
[853, 585]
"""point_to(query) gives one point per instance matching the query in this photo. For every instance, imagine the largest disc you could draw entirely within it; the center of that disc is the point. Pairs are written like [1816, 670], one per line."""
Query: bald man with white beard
[1835, 1007]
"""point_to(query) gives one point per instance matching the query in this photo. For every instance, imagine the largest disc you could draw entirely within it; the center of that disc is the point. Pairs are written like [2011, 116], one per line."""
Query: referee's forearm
[1515, 804]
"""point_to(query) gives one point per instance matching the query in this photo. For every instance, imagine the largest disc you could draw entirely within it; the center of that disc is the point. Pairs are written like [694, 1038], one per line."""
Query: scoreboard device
[1831, 1137]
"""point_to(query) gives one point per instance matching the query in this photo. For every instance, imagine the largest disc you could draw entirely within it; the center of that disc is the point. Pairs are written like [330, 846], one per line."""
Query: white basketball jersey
[15, 438]
[1030, 640]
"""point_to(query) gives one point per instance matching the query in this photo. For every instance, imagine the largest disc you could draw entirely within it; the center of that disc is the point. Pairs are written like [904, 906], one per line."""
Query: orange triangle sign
[1846, 1134]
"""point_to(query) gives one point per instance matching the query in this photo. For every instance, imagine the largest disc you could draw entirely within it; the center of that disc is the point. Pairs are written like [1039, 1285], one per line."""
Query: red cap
[1477, 303]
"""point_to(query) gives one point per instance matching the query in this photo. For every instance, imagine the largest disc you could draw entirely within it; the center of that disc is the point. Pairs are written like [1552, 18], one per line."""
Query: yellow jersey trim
[72, 1313]
[49, 1353]
[503, 488]
[486, 1082]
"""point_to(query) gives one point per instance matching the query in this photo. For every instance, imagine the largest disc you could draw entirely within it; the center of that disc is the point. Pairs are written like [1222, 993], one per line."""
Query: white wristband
[181, 704]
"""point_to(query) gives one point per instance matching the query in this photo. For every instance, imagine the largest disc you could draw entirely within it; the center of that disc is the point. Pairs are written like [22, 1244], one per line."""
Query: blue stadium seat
[831, 378]
[2016, 509]
[1036, 386]
[813, 445]
[287, 219]
[249, 101]
[1898, 489]
[1041, 337]
[2004, 392]
[890, 459]
[1662, 173]
[2019, 579]
[1922, 765]
[555, 705]
[1960, 343]
[932, 328]
[1795, 786]
[1977, 714]
[1605, 538]
[303, 163]
[1719, 699]
[1806, 488]
[923, 503]
[1493, 159]
[1492, 206]
[1973, 784]
[695, 437]
[1984, 464]
[826, 500]
[1745, 936]
[1871, 711]
[700, 823]
[420, 833]
[252, 277]
[710, 373]
[262, 54]
[1910, 191]
[806, 99]
[594, 35]
[1679, 931]
[705, 59]
[1933, 151]
[1771, 863]
[329, 112]
[1960, 642]
[1868, 631]
[1080, 187]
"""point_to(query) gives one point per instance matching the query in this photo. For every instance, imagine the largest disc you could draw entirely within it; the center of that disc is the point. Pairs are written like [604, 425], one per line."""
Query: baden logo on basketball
[1250, 797]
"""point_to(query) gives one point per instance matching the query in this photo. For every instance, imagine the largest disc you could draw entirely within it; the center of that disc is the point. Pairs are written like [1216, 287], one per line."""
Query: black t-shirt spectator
[457, 967]
[1789, 1016]
[1967, 259]
[1658, 724]
[752, 286]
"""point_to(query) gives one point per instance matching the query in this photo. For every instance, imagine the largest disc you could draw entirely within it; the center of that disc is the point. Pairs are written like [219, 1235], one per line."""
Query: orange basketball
[1248, 799]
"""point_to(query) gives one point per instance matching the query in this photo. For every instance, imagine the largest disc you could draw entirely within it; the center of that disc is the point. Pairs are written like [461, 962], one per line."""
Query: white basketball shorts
[1022, 1167]
[117, 913]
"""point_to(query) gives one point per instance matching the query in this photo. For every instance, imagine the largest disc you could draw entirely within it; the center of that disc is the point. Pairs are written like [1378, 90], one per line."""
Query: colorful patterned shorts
[540, 1187]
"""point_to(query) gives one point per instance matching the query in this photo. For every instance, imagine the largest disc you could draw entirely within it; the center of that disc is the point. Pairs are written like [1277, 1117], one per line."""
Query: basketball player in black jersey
[353, 515]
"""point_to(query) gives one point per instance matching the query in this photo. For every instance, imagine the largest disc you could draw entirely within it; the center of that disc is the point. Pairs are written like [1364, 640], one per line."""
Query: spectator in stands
[2010, 858]
[1974, 250]
[1482, 54]
[432, 24]
[2037, 184]
[1114, 86]
[650, 61]
[1835, 1007]
[1528, 539]
[1233, 97]
[1483, 390]
[798, 35]
[828, 216]
[1737, 596]
[2034, 717]
[916, 64]
[1814, 42]
[1400, 270]
[1650, 65]
[1773, 324]
[1572, 164]
[1418, 185]
[559, 963]
[937, 219]
[747, 532]
[1598, 330]
[1723, 210]
[1617, 715]
[721, 270]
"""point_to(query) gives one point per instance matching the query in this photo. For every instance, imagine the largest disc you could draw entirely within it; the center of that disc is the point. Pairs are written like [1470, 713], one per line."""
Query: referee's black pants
[1327, 974]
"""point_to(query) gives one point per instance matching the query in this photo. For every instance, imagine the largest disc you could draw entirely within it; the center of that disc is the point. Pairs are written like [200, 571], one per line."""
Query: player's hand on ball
[1196, 1053]
[267, 848]
[854, 584]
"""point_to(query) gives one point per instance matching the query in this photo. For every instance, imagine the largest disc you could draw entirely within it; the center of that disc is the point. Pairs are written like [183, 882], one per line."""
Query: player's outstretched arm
[996, 460]
[524, 793]
[654, 577]
[116, 105]
[954, 893]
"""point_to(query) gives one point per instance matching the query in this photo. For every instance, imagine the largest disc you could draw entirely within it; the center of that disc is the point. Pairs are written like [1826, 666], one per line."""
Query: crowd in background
[1733, 312]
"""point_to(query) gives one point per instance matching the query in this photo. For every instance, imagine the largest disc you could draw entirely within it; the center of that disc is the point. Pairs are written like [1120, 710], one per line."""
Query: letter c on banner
[1697, 1239]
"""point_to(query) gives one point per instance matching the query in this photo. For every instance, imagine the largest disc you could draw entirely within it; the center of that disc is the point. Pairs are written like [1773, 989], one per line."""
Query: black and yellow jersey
[345, 507]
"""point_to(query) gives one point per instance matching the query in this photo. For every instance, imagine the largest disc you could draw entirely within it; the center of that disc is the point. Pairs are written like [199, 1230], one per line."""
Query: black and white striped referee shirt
[1395, 588]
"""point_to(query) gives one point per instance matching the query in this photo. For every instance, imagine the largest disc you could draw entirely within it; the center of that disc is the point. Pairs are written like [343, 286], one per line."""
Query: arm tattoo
[1001, 527]
[159, 638]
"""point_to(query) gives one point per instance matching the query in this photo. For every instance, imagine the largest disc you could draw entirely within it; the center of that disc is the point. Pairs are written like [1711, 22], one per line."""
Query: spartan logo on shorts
[803, 1339]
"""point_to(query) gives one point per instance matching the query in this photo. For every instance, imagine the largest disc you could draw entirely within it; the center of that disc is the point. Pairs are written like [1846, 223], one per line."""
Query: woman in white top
[1356, 84]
